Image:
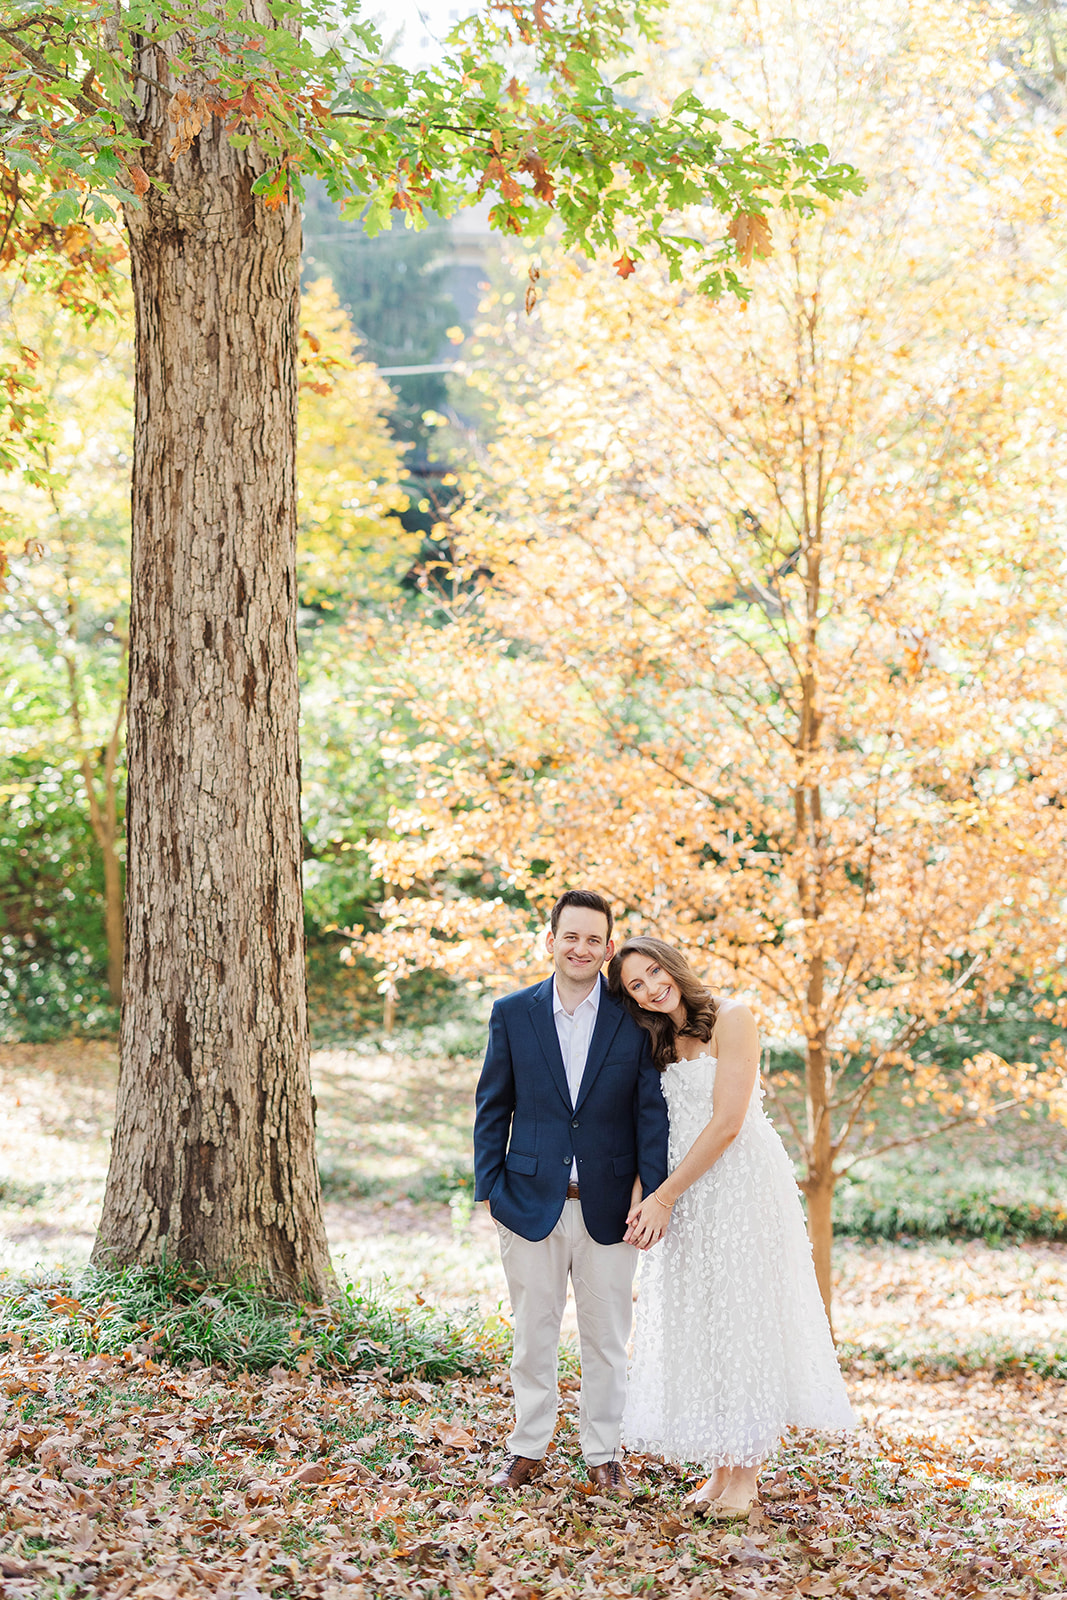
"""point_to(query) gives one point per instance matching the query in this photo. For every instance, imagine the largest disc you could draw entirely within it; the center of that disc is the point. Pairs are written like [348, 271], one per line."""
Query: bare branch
[970, 1118]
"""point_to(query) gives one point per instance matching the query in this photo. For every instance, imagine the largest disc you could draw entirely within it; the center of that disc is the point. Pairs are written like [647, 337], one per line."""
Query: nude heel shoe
[716, 1511]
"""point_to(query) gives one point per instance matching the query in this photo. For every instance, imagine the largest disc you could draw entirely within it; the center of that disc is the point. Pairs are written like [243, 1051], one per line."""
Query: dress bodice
[689, 1090]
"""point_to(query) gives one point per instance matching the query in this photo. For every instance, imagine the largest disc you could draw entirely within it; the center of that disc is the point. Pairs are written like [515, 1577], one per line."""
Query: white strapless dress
[731, 1343]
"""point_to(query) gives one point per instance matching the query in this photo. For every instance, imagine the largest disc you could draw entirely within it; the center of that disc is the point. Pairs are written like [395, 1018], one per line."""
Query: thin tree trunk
[113, 919]
[811, 889]
[213, 1158]
[819, 1192]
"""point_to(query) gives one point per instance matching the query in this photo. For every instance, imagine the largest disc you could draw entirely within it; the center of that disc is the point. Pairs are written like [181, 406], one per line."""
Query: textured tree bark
[213, 1158]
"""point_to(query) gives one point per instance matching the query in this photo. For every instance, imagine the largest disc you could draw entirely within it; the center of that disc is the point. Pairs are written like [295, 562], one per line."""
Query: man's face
[580, 945]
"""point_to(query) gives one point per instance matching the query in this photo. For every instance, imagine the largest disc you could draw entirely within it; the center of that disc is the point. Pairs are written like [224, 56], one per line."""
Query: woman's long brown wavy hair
[700, 1007]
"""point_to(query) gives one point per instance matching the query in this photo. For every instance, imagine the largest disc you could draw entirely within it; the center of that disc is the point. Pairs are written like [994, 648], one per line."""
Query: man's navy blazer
[526, 1131]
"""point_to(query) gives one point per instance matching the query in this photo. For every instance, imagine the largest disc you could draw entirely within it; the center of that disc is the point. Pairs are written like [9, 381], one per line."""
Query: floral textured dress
[731, 1344]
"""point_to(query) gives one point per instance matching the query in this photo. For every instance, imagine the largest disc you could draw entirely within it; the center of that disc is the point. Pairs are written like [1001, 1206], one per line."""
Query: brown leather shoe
[516, 1471]
[609, 1479]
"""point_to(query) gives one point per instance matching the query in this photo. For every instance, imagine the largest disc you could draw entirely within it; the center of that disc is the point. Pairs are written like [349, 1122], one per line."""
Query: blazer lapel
[544, 1026]
[609, 1015]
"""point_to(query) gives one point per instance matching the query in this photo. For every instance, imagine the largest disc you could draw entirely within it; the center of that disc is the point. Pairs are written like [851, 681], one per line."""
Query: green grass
[169, 1313]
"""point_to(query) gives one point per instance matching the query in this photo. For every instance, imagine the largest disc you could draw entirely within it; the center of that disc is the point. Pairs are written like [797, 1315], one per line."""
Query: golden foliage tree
[771, 649]
[64, 617]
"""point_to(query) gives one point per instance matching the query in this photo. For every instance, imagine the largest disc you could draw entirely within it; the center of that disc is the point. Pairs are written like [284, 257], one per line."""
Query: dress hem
[697, 1458]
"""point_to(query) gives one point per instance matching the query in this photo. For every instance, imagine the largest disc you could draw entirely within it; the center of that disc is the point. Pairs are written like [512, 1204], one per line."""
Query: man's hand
[647, 1223]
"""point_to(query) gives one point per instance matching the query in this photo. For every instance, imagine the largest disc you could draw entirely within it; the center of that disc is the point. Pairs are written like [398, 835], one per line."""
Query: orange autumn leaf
[751, 234]
[624, 266]
[544, 187]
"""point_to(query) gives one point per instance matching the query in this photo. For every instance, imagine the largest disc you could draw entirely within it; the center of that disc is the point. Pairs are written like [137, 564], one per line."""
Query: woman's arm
[735, 1077]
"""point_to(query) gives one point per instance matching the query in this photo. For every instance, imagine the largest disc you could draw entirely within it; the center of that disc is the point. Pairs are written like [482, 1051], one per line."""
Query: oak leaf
[624, 266]
[496, 172]
[453, 1436]
[751, 233]
[544, 188]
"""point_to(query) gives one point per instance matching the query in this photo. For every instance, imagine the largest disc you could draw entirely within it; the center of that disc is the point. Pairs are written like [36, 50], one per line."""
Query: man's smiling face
[580, 945]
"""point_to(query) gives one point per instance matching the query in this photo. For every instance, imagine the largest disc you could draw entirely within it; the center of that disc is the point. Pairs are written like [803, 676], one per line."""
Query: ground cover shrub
[441, 1185]
[15, 1192]
[53, 951]
[921, 1355]
[970, 1201]
[170, 1313]
[341, 1182]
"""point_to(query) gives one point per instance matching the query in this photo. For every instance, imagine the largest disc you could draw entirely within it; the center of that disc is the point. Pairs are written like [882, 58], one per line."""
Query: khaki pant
[603, 1276]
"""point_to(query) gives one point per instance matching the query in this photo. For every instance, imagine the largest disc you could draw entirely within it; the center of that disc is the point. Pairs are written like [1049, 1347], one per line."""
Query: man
[570, 1123]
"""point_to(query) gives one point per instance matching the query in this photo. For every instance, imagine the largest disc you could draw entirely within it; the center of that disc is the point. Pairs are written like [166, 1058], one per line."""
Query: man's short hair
[587, 898]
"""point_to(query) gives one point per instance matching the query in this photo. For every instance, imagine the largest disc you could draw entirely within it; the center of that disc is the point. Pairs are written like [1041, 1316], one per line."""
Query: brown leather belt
[572, 1191]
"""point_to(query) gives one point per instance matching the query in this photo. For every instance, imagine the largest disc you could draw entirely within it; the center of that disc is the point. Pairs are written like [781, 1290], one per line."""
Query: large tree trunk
[213, 1158]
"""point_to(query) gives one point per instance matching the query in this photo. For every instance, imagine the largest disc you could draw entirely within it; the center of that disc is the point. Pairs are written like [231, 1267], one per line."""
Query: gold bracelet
[668, 1205]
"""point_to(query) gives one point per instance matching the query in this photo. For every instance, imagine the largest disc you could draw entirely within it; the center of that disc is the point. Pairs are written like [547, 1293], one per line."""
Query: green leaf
[22, 161]
[67, 209]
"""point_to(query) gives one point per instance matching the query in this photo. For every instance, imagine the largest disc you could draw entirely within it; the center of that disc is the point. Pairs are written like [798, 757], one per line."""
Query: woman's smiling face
[650, 984]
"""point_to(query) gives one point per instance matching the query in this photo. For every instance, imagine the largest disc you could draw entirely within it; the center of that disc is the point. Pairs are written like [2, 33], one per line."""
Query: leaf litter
[124, 1478]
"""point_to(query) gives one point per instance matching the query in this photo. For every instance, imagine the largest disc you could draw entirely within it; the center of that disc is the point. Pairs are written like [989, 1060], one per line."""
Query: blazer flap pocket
[624, 1166]
[517, 1163]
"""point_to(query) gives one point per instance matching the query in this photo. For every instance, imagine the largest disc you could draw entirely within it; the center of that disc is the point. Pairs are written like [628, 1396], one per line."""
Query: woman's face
[650, 984]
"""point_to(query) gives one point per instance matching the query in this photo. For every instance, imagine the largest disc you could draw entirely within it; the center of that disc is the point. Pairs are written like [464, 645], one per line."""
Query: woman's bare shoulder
[726, 1005]
[733, 1018]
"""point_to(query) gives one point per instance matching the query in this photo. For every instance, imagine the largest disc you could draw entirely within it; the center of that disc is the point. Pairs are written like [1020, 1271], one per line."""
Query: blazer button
[574, 1124]
[567, 1160]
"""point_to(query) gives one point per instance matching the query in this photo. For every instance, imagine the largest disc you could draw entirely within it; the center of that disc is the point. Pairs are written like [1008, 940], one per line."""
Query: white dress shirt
[574, 1030]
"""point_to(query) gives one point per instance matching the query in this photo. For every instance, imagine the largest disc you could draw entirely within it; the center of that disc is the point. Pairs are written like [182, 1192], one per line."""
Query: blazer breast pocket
[519, 1163]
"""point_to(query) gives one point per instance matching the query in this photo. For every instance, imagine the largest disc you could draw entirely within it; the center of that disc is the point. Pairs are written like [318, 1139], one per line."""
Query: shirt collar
[592, 1000]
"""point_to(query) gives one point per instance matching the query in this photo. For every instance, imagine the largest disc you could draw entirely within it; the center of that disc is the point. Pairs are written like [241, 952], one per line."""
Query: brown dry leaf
[751, 233]
[453, 1436]
[266, 1525]
[259, 1491]
[400, 1531]
[10, 1567]
[188, 117]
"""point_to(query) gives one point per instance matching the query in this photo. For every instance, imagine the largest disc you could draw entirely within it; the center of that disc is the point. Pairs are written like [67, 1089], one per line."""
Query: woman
[732, 1342]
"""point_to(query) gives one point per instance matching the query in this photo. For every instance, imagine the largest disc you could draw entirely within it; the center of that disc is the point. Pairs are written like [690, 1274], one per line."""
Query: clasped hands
[647, 1220]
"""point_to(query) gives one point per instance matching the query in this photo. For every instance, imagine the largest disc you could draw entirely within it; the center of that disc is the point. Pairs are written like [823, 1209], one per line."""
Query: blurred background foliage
[382, 464]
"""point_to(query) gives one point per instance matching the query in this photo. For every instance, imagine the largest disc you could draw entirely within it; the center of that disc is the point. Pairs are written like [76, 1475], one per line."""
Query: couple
[611, 1116]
